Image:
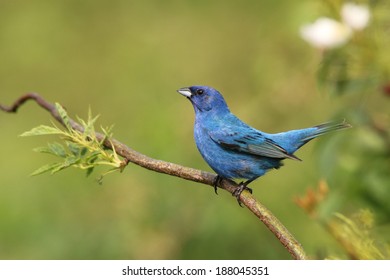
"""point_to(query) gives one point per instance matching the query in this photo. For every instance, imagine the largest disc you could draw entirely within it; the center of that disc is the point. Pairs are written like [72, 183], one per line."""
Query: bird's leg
[241, 187]
[216, 183]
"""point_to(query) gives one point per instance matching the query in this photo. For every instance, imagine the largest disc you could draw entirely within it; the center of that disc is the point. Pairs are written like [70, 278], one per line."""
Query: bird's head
[205, 99]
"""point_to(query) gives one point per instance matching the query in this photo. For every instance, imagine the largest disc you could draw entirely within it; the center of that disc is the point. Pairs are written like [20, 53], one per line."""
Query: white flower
[355, 16]
[326, 33]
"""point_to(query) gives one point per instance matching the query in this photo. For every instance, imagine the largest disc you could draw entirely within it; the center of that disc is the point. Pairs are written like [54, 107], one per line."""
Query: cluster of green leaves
[81, 149]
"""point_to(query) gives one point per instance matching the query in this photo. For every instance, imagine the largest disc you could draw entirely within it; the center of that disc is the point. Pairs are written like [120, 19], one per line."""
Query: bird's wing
[249, 141]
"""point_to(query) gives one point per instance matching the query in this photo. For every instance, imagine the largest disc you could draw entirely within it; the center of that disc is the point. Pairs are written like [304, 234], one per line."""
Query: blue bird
[233, 149]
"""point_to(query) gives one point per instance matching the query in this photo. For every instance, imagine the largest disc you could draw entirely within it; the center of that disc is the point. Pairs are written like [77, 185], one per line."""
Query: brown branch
[130, 155]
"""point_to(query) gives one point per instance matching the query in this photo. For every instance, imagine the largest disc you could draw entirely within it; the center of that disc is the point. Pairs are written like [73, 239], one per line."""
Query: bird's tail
[294, 139]
[325, 128]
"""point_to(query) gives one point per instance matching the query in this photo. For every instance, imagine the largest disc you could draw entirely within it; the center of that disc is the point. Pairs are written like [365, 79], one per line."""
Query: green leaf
[64, 116]
[53, 149]
[46, 168]
[107, 133]
[73, 148]
[83, 151]
[57, 149]
[69, 161]
[89, 171]
[92, 157]
[89, 129]
[44, 149]
[42, 130]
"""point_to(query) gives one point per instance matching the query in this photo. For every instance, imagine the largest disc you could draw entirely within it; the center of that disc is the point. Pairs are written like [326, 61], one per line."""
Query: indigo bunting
[233, 149]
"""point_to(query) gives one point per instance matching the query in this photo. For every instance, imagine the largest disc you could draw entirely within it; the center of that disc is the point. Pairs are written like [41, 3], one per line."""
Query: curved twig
[130, 155]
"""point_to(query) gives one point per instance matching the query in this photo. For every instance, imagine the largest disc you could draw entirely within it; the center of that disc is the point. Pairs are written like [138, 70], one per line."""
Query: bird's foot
[241, 187]
[216, 183]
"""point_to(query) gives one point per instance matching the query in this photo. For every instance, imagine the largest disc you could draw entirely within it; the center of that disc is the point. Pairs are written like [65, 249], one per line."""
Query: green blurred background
[125, 60]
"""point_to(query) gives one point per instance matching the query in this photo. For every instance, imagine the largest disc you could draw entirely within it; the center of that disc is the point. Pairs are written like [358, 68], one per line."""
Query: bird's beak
[185, 91]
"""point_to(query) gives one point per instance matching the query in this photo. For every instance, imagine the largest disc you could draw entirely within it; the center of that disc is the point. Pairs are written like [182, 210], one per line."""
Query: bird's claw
[237, 192]
[216, 183]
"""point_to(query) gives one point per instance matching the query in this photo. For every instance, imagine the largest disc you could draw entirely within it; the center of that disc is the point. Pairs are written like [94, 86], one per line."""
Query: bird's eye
[200, 91]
